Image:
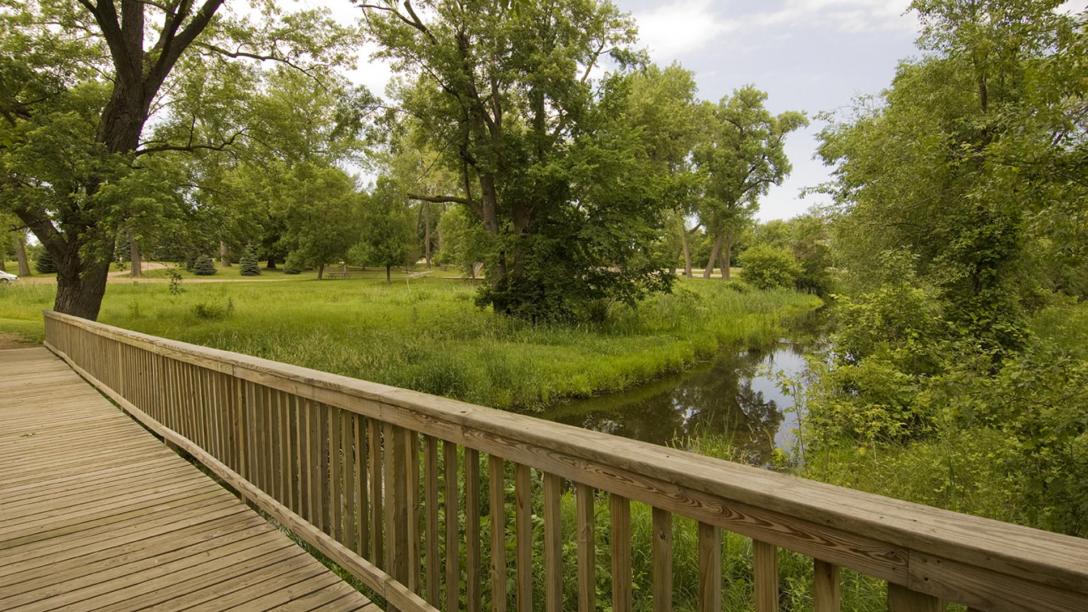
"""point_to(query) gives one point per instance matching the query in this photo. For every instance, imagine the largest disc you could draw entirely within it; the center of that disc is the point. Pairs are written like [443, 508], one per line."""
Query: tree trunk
[224, 255]
[726, 255]
[320, 271]
[427, 234]
[20, 254]
[271, 264]
[714, 250]
[80, 287]
[388, 274]
[134, 257]
[687, 251]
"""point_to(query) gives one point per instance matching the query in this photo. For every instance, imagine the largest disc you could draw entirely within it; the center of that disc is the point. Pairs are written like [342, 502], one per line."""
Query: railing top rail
[1026, 553]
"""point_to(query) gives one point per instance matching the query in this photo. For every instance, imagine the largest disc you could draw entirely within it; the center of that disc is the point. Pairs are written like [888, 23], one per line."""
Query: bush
[293, 265]
[767, 267]
[211, 311]
[44, 264]
[248, 263]
[203, 266]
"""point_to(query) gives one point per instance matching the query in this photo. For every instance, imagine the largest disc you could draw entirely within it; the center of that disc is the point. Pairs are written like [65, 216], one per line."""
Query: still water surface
[736, 394]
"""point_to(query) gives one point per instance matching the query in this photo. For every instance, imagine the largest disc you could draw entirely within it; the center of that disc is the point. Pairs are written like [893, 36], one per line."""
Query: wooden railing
[363, 472]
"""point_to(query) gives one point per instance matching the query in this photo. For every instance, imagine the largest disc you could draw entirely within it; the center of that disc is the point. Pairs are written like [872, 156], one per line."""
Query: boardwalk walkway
[96, 514]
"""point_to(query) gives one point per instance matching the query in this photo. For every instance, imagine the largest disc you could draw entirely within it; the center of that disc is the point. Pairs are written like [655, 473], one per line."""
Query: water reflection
[735, 395]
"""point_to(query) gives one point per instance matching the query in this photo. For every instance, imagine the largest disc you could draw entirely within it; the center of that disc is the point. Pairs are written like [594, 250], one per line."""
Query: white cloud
[839, 15]
[673, 30]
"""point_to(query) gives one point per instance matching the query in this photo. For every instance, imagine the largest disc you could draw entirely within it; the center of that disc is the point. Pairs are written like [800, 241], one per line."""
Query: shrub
[44, 264]
[203, 266]
[211, 311]
[293, 265]
[767, 267]
[248, 263]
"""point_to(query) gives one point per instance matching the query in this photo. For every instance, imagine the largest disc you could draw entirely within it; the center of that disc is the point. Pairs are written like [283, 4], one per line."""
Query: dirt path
[148, 265]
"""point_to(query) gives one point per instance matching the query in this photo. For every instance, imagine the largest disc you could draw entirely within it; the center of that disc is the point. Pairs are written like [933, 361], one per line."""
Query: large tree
[505, 91]
[973, 165]
[741, 155]
[78, 84]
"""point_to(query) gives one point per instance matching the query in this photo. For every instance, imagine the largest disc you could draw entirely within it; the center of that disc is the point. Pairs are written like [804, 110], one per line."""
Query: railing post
[902, 599]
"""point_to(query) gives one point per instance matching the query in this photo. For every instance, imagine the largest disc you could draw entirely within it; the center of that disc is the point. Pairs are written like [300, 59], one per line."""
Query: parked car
[7, 277]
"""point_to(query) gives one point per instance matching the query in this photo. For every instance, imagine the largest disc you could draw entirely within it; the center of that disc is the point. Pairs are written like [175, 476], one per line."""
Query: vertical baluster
[260, 435]
[430, 477]
[313, 425]
[453, 553]
[411, 461]
[710, 568]
[324, 455]
[765, 566]
[620, 508]
[305, 470]
[336, 484]
[826, 590]
[587, 562]
[389, 517]
[377, 517]
[350, 492]
[361, 491]
[396, 444]
[283, 405]
[241, 428]
[272, 428]
[472, 529]
[497, 498]
[295, 430]
[553, 544]
[662, 560]
[523, 529]
[252, 428]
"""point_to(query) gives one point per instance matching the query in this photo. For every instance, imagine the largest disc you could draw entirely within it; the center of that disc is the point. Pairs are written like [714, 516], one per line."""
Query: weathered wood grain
[889, 539]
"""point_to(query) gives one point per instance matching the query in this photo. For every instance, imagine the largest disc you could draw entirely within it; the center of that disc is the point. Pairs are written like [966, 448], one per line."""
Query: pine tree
[203, 266]
[248, 263]
[44, 263]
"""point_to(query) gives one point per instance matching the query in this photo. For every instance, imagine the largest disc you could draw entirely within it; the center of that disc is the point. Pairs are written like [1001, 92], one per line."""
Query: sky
[808, 55]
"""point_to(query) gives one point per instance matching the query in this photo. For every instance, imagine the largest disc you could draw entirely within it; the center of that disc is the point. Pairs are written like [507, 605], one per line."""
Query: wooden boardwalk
[97, 514]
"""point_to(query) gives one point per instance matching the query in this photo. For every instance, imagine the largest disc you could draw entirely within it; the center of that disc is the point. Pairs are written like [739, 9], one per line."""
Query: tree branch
[190, 146]
[441, 199]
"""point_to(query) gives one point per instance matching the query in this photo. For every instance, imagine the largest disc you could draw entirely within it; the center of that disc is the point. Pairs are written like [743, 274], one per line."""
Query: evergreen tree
[44, 263]
[203, 266]
[248, 263]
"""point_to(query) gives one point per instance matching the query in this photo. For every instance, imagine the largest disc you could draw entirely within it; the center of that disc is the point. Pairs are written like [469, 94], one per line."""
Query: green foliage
[213, 311]
[388, 229]
[427, 335]
[293, 265]
[463, 240]
[203, 266]
[43, 263]
[322, 212]
[175, 281]
[767, 267]
[741, 154]
[248, 264]
[563, 186]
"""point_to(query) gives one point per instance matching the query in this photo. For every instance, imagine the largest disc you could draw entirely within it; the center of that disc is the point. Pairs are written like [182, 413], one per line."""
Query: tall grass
[427, 334]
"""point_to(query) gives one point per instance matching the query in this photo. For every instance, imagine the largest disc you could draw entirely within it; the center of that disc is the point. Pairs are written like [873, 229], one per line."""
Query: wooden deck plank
[96, 513]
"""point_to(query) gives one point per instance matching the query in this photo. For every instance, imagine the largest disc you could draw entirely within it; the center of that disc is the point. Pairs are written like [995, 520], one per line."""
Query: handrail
[227, 408]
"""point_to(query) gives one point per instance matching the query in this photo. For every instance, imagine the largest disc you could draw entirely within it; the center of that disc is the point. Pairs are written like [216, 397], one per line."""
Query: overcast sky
[809, 55]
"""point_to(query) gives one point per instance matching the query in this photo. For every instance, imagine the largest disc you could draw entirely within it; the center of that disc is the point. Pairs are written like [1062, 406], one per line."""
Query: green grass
[427, 334]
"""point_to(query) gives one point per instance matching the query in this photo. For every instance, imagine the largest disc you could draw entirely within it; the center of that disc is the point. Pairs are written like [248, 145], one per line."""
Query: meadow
[426, 333]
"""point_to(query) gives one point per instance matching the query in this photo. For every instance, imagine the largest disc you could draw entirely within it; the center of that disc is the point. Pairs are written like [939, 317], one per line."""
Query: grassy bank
[427, 334]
